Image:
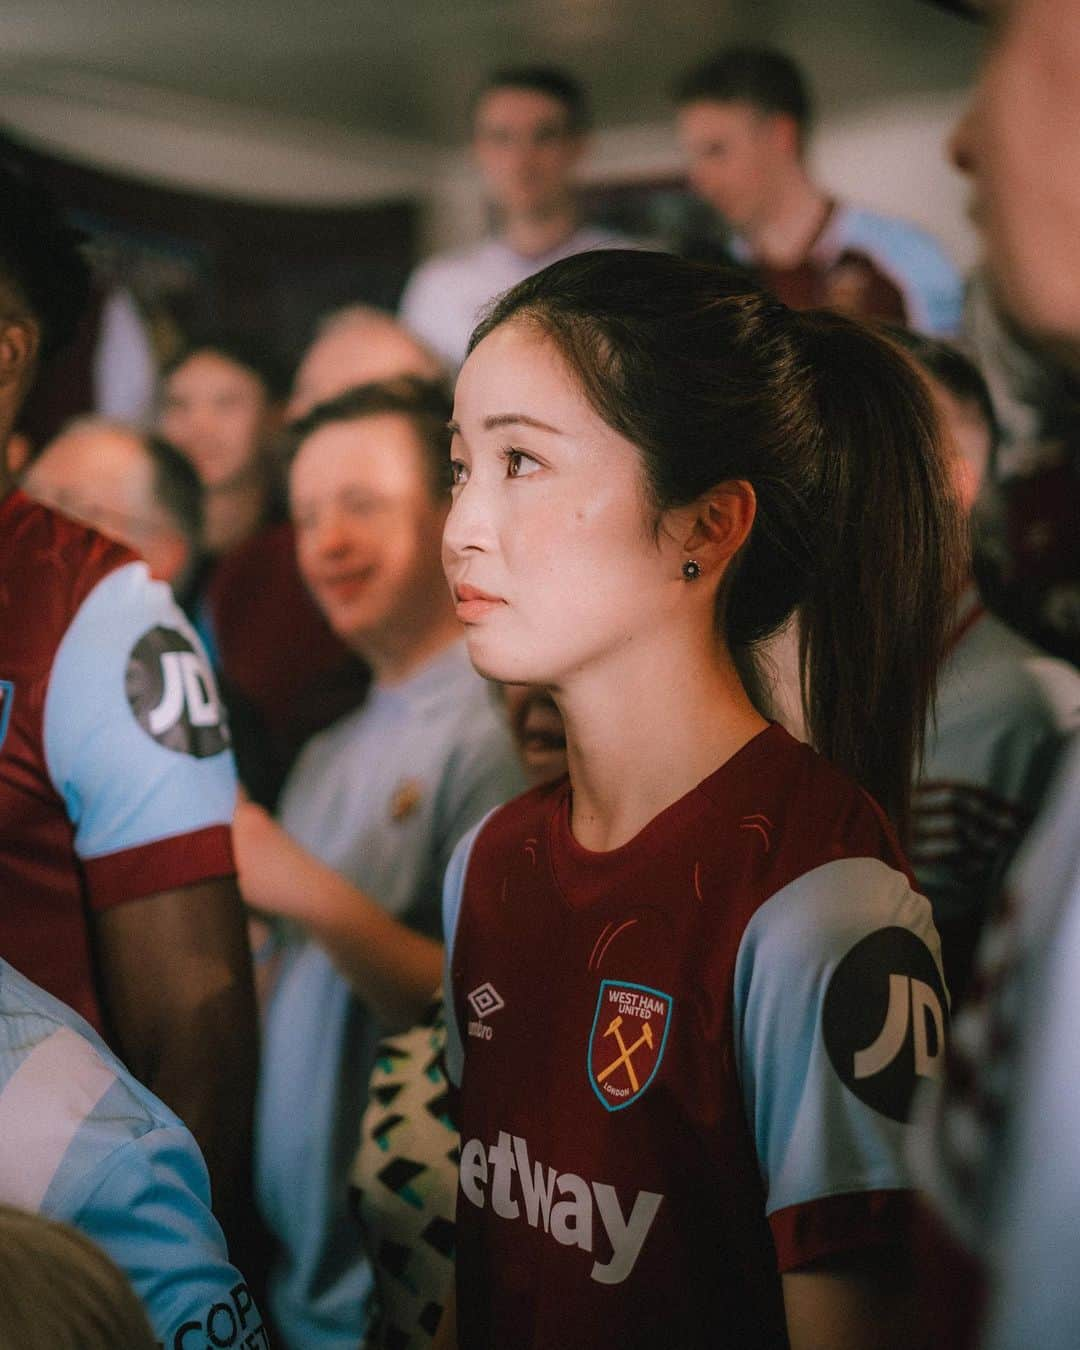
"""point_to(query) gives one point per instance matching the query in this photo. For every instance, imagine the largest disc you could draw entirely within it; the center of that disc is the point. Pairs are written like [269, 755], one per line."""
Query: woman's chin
[491, 665]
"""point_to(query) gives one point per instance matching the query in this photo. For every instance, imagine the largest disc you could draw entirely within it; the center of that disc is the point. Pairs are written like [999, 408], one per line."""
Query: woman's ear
[19, 341]
[721, 524]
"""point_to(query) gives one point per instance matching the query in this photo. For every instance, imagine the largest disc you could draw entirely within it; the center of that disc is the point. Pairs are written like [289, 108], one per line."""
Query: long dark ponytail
[856, 525]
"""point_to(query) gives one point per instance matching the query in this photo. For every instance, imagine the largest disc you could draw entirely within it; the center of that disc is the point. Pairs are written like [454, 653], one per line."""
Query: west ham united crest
[629, 1035]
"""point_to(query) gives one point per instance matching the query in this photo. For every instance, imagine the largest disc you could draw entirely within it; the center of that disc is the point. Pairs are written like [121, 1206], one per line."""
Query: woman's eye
[458, 472]
[519, 464]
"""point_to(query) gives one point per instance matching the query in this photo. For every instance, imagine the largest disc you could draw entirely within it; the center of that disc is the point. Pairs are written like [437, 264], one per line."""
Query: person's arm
[391, 967]
[176, 979]
[137, 748]
[853, 1304]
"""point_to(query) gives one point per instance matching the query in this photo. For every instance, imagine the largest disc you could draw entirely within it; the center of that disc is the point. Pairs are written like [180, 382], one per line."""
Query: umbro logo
[484, 1000]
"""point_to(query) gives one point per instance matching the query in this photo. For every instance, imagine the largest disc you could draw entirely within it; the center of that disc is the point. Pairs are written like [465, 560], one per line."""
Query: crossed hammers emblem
[626, 1052]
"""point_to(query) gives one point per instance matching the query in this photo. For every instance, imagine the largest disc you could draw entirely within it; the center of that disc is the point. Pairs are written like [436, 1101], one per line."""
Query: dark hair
[244, 349]
[176, 486]
[549, 80]
[40, 258]
[764, 77]
[856, 525]
[426, 404]
[957, 372]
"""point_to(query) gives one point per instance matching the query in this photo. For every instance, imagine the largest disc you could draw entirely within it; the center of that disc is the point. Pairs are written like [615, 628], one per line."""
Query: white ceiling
[405, 69]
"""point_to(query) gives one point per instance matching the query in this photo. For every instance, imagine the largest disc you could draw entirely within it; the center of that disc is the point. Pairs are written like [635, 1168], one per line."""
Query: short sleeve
[149, 1210]
[453, 893]
[136, 743]
[840, 1010]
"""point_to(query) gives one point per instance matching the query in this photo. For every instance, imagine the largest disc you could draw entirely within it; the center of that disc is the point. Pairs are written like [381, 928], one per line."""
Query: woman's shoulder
[797, 809]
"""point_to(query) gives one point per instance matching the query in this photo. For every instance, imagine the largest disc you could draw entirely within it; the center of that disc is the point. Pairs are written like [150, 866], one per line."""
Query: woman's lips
[473, 603]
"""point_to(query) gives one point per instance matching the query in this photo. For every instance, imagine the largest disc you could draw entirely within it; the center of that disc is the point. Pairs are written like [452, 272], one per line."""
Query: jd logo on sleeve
[884, 1020]
[172, 693]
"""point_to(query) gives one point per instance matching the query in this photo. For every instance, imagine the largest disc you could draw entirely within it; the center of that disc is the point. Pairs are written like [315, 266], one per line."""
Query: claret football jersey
[686, 1065]
[116, 780]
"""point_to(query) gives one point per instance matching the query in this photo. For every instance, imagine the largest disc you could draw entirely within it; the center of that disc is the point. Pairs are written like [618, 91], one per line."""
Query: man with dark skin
[116, 782]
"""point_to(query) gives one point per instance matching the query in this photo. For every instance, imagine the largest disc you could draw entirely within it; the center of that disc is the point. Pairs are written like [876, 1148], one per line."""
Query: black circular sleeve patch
[172, 693]
[884, 1020]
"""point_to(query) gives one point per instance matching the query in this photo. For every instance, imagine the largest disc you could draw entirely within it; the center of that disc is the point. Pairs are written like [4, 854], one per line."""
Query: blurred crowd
[250, 971]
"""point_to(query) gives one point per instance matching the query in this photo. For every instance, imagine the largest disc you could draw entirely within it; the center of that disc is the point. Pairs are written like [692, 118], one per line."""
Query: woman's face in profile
[549, 547]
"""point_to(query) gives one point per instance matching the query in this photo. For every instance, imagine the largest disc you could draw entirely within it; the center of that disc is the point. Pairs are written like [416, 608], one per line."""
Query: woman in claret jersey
[691, 987]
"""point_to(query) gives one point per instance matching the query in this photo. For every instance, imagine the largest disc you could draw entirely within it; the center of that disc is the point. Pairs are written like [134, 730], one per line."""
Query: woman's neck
[233, 513]
[641, 737]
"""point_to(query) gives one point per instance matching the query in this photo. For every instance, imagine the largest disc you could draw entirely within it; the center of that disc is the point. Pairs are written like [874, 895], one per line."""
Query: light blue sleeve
[453, 891]
[148, 1208]
[932, 287]
[839, 1010]
[135, 736]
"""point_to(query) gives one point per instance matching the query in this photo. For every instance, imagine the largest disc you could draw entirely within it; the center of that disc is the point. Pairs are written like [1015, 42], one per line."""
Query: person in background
[1028, 543]
[537, 727]
[369, 816]
[1005, 710]
[743, 119]
[408, 1127]
[221, 405]
[999, 1161]
[130, 485]
[529, 131]
[59, 1291]
[284, 675]
[117, 785]
[83, 1142]
[353, 346]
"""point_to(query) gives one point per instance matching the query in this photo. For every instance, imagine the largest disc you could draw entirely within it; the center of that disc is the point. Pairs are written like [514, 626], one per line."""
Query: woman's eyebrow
[519, 419]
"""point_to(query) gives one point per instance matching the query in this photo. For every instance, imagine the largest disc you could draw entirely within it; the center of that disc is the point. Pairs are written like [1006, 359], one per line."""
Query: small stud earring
[691, 569]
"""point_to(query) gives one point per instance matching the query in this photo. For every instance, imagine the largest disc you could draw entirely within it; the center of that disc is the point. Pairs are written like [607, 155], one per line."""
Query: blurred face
[538, 732]
[1019, 143]
[968, 438]
[105, 478]
[359, 353]
[218, 413]
[367, 528]
[20, 338]
[734, 152]
[548, 547]
[525, 150]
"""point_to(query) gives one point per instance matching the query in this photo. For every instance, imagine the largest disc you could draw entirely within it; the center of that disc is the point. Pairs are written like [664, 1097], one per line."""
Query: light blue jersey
[382, 796]
[83, 1142]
